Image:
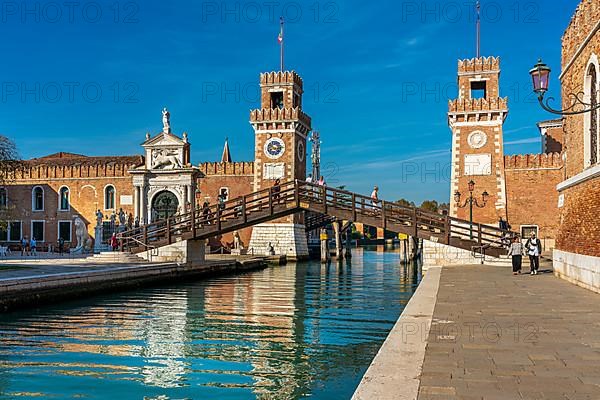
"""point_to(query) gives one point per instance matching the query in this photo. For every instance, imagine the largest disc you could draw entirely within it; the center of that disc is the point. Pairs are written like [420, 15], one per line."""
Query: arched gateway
[167, 181]
[164, 205]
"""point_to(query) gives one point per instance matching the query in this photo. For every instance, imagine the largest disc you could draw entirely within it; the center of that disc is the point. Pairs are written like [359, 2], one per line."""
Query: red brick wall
[531, 192]
[86, 186]
[239, 178]
[579, 230]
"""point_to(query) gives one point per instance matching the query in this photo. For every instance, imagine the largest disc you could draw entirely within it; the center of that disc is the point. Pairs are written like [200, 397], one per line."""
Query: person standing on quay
[534, 249]
[516, 251]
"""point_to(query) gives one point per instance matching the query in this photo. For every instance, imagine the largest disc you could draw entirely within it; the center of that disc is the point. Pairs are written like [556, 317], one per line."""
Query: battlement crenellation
[533, 161]
[277, 114]
[481, 64]
[280, 77]
[227, 168]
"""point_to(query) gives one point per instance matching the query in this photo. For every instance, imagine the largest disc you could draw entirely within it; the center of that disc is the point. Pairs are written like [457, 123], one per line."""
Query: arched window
[64, 199]
[109, 197]
[37, 199]
[3, 198]
[593, 135]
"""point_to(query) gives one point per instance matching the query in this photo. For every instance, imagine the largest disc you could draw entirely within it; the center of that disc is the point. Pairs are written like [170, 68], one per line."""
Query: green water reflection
[290, 332]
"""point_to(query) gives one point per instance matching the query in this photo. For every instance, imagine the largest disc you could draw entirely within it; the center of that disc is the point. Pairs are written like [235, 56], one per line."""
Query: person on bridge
[516, 251]
[534, 249]
[321, 181]
[309, 178]
[276, 190]
[374, 198]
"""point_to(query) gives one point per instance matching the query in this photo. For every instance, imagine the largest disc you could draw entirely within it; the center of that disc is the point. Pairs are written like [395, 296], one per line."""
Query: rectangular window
[277, 100]
[478, 90]
[14, 231]
[64, 230]
[527, 229]
[37, 230]
[4, 234]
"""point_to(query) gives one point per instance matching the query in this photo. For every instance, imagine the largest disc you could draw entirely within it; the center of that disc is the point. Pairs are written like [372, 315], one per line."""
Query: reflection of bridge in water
[295, 197]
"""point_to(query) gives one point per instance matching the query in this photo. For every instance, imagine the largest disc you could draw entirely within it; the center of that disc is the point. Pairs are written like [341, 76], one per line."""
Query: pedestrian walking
[24, 247]
[374, 198]
[114, 242]
[33, 246]
[516, 251]
[61, 246]
[276, 190]
[534, 249]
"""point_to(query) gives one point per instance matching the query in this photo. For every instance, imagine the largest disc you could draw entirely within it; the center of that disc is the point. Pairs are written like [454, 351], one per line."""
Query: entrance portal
[164, 205]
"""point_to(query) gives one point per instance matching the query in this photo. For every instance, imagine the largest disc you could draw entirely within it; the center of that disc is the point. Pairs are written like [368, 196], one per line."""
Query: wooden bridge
[325, 204]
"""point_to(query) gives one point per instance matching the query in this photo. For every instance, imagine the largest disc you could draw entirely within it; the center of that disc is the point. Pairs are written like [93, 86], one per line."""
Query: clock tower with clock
[280, 128]
[476, 119]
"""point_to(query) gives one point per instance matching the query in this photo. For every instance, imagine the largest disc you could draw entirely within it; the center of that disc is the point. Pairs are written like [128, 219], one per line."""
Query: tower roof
[226, 157]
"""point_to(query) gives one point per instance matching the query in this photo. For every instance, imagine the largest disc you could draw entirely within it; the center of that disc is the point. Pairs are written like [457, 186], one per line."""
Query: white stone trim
[587, 98]
[590, 173]
[43, 239]
[33, 209]
[579, 269]
[104, 197]
[68, 198]
[58, 230]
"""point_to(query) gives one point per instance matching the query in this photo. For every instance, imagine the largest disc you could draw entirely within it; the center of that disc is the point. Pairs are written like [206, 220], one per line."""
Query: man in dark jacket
[534, 249]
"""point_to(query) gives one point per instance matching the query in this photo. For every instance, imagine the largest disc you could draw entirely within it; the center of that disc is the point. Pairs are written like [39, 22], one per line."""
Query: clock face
[301, 151]
[477, 139]
[274, 148]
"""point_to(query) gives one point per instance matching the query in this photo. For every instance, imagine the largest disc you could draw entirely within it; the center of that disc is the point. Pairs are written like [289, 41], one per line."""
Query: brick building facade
[577, 254]
[48, 194]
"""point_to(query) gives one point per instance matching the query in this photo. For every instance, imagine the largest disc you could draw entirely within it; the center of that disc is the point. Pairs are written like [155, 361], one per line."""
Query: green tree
[430, 205]
[10, 162]
[406, 203]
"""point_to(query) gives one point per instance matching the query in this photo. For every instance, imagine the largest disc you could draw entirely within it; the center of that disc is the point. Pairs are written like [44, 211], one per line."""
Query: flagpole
[281, 45]
[478, 28]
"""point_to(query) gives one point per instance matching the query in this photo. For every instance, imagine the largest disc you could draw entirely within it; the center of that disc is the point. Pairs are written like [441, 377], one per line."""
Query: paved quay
[30, 282]
[499, 336]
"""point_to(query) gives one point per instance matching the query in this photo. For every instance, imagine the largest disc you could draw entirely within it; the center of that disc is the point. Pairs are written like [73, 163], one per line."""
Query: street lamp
[540, 75]
[471, 201]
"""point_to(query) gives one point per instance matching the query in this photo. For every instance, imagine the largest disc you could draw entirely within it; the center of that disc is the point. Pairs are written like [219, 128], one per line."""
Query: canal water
[288, 332]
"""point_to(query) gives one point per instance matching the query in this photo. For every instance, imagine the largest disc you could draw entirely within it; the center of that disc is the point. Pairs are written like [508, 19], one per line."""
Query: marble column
[136, 201]
[191, 197]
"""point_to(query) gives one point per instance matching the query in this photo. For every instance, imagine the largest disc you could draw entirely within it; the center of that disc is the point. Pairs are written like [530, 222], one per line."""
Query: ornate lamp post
[471, 201]
[540, 74]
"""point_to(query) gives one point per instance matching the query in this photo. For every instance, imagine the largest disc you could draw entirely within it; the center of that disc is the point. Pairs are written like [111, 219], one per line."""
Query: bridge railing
[295, 196]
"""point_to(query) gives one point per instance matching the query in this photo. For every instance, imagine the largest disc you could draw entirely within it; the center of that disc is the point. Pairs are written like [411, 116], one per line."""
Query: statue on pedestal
[113, 220]
[99, 218]
[166, 120]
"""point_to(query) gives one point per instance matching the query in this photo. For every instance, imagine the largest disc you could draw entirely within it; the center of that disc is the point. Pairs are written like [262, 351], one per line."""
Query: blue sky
[92, 78]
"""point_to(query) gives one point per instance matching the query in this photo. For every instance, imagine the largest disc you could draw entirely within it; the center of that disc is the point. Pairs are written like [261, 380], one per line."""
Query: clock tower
[280, 128]
[476, 119]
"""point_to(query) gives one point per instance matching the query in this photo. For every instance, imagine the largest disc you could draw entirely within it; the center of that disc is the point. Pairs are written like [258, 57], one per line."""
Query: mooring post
[349, 242]
[324, 246]
[337, 227]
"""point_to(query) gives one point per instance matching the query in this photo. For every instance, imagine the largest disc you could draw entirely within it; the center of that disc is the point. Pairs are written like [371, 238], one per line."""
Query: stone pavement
[499, 336]
[23, 267]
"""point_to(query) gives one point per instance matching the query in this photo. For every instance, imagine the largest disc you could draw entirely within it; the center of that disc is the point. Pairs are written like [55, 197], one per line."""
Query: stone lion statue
[84, 242]
[165, 160]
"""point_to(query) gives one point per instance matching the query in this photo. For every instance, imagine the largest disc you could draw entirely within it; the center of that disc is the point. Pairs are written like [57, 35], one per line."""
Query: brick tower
[280, 129]
[476, 119]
